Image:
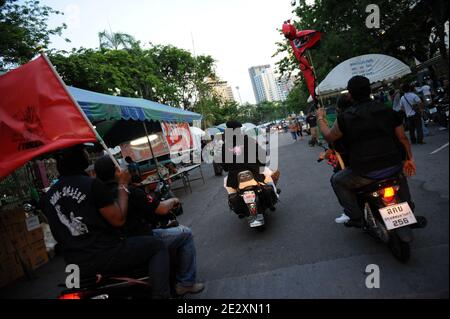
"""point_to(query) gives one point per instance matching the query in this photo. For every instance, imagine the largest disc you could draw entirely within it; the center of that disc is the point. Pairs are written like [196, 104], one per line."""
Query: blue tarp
[100, 107]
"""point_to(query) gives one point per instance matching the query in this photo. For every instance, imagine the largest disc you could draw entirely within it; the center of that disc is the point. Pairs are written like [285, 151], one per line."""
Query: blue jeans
[294, 135]
[181, 239]
[345, 183]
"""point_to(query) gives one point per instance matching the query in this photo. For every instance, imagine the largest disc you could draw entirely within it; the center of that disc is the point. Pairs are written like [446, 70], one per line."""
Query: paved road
[303, 253]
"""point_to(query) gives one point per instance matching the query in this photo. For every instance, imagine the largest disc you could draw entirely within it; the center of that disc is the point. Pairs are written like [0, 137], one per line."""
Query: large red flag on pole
[37, 115]
[300, 42]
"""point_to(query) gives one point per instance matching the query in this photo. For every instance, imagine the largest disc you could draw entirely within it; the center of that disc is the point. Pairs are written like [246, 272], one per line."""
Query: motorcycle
[133, 284]
[129, 286]
[386, 217]
[256, 197]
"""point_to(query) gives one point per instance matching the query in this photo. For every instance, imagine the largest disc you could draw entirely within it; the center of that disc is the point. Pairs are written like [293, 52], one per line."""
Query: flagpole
[99, 138]
[315, 76]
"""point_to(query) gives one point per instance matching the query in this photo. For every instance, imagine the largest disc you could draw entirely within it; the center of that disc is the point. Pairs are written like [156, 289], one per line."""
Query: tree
[24, 30]
[404, 33]
[116, 40]
[164, 74]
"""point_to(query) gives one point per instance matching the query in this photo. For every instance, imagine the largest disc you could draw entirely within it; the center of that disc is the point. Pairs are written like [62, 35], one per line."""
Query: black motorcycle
[134, 285]
[387, 217]
[252, 200]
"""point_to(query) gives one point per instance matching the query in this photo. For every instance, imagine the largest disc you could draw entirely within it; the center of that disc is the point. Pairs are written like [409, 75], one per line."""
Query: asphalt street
[303, 253]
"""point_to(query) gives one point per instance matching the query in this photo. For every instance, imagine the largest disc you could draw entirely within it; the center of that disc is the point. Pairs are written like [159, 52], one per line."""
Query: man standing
[84, 219]
[412, 105]
[312, 121]
[293, 129]
[376, 142]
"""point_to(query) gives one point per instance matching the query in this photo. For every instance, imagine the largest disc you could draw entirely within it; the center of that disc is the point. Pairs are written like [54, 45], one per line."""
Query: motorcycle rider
[144, 210]
[376, 144]
[239, 153]
[84, 219]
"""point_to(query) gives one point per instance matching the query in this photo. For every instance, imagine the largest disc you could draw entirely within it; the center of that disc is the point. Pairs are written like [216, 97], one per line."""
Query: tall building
[265, 84]
[285, 85]
[222, 89]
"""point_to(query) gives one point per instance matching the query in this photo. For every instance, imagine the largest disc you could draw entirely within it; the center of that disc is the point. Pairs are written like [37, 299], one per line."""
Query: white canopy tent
[376, 67]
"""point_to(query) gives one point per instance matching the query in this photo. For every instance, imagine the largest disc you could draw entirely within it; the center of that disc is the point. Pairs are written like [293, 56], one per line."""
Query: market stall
[150, 133]
[378, 68]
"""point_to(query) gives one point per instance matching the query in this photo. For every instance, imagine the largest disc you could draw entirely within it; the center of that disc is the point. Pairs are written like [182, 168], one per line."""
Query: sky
[238, 34]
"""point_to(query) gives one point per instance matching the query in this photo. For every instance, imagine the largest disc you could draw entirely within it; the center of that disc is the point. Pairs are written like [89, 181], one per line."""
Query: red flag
[37, 116]
[301, 41]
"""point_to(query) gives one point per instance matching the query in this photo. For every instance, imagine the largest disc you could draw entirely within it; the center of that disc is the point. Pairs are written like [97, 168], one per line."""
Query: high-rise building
[222, 89]
[265, 85]
[285, 85]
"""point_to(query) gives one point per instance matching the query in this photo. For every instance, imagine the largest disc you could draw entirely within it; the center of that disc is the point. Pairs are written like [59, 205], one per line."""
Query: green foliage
[165, 74]
[117, 40]
[404, 33]
[23, 31]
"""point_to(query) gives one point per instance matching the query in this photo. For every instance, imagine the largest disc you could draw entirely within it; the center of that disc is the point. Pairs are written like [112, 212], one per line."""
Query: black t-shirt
[369, 135]
[72, 209]
[141, 211]
[311, 120]
[237, 157]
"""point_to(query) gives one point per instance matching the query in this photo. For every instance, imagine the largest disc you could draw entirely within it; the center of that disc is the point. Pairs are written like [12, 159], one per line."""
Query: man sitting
[143, 212]
[85, 221]
[376, 143]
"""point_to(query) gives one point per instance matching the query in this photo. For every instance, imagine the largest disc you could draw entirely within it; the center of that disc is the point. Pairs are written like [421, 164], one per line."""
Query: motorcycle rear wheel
[399, 248]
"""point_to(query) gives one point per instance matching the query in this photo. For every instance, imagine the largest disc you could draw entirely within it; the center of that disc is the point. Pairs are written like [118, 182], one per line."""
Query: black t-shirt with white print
[72, 209]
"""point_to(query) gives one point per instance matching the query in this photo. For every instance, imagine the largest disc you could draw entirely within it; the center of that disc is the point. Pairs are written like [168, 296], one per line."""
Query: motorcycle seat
[376, 185]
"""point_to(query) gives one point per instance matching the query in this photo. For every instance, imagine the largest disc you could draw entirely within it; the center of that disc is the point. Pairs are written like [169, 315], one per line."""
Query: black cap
[233, 124]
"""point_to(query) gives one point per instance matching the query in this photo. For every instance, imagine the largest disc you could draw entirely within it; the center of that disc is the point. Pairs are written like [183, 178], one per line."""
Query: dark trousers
[415, 125]
[136, 253]
[345, 183]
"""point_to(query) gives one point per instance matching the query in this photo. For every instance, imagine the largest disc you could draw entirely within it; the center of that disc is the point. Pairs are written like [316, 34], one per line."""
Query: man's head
[105, 169]
[359, 88]
[233, 124]
[407, 88]
[72, 161]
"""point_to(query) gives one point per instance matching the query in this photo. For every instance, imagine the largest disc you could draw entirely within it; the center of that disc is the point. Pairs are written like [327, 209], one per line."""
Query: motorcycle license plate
[433, 110]
[249, 197]
[397, 216]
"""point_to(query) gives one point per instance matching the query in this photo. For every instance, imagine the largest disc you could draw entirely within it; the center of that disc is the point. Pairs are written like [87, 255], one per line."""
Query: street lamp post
[239, 94]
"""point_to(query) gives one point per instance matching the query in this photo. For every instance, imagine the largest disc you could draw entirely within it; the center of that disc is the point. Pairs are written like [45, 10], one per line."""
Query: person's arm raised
[116, 213]
[332, 134]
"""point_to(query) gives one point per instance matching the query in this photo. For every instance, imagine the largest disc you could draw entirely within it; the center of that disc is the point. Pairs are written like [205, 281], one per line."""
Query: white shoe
[256, 221]
[342, 219]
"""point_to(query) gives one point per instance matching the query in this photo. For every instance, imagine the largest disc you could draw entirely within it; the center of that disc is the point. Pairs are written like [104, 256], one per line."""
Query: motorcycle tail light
[388, 193]
[71, 296]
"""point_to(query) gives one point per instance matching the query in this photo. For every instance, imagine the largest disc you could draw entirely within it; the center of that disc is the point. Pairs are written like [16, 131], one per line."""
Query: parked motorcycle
[257, 199]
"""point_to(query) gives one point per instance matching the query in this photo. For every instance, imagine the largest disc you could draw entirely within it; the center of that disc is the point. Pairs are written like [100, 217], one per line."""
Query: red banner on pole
[37, 116]
[300, 42]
